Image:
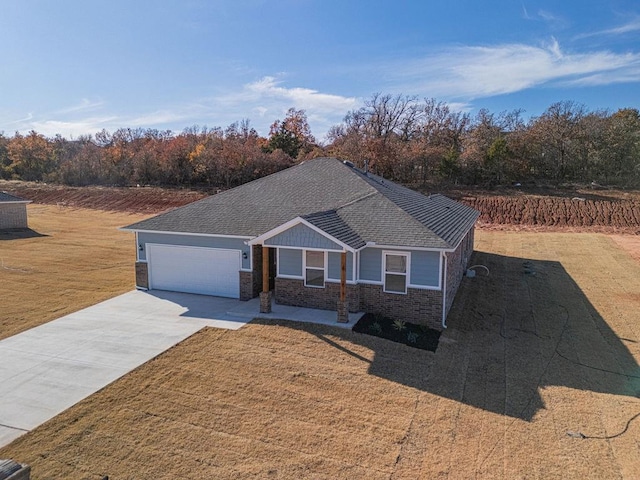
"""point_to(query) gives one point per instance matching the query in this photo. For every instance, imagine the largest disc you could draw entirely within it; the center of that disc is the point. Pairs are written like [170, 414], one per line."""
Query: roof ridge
[410, 218]
[397, 194]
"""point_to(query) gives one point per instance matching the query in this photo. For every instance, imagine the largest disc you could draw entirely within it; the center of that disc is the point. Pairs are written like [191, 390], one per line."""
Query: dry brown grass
[72, 258]
[547, 344]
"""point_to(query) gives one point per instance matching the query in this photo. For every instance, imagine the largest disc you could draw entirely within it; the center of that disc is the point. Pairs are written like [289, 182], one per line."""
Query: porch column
[343, 305]
[265, 295]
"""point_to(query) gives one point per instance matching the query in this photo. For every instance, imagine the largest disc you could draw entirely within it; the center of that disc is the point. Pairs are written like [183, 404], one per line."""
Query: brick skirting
[419, 306]
[293, 292]
[423, 307]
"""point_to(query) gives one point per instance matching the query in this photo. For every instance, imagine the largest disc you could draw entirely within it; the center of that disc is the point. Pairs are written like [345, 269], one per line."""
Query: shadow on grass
[19, 233]
[416, 336]
[525, 327]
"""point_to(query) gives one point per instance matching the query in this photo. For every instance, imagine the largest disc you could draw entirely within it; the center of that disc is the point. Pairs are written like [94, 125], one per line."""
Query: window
[395, 272]
[314, 269]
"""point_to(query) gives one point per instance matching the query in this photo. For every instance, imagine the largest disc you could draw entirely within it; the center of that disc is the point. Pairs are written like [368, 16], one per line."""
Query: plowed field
[115, 199]
[548, 211]
[606, 211]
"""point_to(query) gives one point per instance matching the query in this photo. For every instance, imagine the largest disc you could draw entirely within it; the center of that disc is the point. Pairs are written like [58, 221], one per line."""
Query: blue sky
[76, 67]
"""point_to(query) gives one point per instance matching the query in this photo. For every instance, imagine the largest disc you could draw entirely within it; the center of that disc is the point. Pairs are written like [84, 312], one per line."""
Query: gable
[301, 236]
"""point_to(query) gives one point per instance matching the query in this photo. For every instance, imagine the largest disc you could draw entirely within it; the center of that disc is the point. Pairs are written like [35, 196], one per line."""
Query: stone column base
[265, 302]
[343, 311]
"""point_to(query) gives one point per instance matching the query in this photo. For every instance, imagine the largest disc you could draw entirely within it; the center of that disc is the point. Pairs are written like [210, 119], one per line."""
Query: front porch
[271, 294]
[251, 309]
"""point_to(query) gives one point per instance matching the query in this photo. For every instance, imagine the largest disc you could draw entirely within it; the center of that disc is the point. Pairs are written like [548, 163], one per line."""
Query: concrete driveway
[47, 369]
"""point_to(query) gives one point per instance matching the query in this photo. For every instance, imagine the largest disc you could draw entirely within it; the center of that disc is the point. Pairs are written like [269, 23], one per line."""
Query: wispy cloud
[83, 106]
[262, 101]
[161, 117]
[270, 98]
[554, 20]
[70, 128]
[305, 98]
[482, 71]
[631, 26]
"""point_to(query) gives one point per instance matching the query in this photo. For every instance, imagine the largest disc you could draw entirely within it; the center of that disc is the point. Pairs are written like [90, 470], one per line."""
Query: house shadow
[19, 233]
[204, 307]
[525, 327]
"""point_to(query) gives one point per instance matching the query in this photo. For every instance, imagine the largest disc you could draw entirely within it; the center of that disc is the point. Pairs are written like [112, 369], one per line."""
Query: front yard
[71, 259]
[538, 355]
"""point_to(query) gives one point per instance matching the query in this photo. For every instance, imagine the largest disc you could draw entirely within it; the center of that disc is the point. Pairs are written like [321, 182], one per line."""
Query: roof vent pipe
[366, 166]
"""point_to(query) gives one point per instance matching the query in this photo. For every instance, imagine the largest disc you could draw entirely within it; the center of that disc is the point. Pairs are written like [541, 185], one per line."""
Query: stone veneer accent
[142, 275]
[265, 302]
[343, 311]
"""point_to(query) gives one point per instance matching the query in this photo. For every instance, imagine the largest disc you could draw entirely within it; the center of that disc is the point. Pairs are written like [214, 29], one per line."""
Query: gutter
[444, 292]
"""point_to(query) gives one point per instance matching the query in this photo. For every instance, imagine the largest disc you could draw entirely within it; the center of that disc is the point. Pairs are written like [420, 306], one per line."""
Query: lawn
[72, 258]
[536, 377]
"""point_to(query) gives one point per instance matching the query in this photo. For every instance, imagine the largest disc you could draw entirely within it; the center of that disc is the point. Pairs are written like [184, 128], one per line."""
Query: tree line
[400, 137]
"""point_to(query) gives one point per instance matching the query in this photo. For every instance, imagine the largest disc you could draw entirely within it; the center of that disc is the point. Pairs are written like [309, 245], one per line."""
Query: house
[322, 234]
[13, 212]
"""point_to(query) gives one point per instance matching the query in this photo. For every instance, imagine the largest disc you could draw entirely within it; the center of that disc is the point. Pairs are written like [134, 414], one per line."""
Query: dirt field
[607, 211]
[536, 377]
[72, 258]
[577, 213]
[116, 199]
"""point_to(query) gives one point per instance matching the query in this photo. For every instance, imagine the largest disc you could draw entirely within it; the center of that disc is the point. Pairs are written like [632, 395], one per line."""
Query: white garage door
[208, 271]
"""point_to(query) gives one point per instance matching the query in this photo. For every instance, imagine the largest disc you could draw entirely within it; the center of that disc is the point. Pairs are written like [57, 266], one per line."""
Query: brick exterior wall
[293, 292]
[419, 306]
[142, 275]
[251, 282]
[13, 215]
[423, 307]
[246, 285]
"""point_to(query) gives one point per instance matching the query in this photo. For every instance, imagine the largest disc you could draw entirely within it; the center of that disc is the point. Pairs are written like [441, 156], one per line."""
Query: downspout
[444, 292]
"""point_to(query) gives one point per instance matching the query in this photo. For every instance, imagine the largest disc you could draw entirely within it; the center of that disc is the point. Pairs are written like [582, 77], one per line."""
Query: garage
[207, 271]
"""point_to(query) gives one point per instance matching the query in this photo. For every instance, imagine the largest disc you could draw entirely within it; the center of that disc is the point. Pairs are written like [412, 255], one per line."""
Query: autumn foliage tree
[400, 137]
[30, 157]
[291, 135]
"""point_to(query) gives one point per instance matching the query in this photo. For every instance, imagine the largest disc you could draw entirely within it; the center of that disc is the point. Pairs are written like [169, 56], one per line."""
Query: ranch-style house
[322, 234]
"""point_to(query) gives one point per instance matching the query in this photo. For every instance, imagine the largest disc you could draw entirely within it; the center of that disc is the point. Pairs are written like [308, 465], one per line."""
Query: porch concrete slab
[47, 369]
[251, 309]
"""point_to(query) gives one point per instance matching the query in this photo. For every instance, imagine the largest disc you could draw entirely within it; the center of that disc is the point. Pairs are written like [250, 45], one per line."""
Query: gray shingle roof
[331, 223]
[343, 201]
[7, 197]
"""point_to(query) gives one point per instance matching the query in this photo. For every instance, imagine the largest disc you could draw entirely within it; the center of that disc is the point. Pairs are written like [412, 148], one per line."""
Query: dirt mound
[616, 212]
[121, 199]
[546, 211]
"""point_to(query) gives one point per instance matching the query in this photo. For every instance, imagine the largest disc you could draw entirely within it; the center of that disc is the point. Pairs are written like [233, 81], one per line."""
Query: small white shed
[13, 212]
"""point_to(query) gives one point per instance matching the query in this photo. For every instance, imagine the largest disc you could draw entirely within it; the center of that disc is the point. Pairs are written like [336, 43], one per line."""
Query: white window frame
[407, 273]
[324, 267]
